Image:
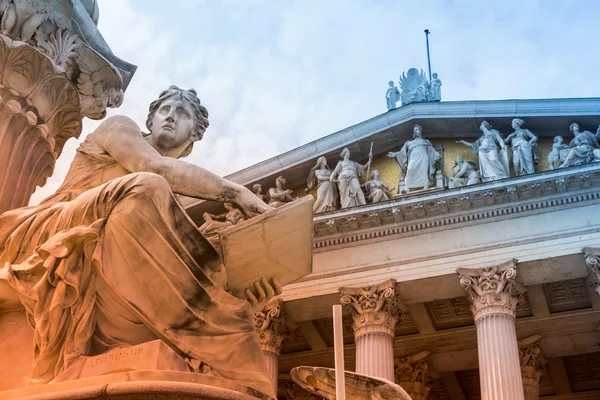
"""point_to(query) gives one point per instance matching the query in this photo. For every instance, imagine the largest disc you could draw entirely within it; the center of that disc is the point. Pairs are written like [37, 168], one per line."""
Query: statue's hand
[265, 291]
[250, 202]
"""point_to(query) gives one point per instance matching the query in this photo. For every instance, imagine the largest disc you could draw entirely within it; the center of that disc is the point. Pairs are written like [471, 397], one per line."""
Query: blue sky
[276, 74]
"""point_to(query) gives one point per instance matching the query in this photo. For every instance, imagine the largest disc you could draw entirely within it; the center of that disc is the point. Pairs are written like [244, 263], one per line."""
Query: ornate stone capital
[592, 260]
[533, 362]
[415, 375]
[492, 290]
[271, 326]
[374, 308]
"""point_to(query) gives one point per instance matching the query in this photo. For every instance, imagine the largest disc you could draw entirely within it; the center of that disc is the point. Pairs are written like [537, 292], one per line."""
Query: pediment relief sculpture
[346, 175]
[524, 147]
[492, 153]
[319, 177]
[278, 195]
[584, 147]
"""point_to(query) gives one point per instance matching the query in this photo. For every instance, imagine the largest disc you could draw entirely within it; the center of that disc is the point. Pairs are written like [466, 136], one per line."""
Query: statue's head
[558, 139]
[345, 154]
[485, 125]
[459, 160]
[177, 119]
[574, 128]
[375, 174]
[391, 83]
[280, 182]
[417, 131]
[516, 123]
[322, 162]
[435, 75]
[257, 188]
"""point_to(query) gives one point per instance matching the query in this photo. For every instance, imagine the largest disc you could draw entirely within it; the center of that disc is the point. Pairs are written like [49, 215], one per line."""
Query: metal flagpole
[428, 58]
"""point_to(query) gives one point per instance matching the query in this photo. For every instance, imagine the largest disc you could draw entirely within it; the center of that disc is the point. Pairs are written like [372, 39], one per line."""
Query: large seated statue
[112, 259]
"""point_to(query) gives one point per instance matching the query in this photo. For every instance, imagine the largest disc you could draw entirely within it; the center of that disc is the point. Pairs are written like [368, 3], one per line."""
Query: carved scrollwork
[492, 290]
[374, 308]
[415, 375]
[592, 260]
[271, 326]
[533, 362]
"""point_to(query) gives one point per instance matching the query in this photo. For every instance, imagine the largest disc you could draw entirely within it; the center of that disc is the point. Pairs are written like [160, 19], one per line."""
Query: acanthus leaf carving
[533, 362]
[271, 326]
[415, 375]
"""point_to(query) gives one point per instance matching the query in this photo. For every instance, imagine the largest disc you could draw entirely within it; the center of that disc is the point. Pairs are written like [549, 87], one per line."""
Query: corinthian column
[533, 366]
[375, 310]
[271, 328]
[414, 374]
[494, 294]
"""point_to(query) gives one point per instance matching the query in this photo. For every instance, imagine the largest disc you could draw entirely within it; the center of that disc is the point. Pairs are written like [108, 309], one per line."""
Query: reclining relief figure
[585, 147]
[112, 259]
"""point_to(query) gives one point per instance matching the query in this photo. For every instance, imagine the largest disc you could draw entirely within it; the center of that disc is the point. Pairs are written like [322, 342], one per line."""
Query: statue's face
[417, 132]
[575, 129]
[173, 123]
[483, 126]
[375, 174]
[459, 160]
[515, 124]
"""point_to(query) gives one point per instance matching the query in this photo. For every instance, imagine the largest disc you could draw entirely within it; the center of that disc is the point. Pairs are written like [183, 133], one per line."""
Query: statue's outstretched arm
[122, 139]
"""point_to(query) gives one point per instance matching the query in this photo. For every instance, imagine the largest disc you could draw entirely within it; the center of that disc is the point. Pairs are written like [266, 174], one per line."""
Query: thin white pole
[338, 345]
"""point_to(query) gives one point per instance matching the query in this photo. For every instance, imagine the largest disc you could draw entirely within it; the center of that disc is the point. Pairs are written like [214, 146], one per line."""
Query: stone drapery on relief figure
[278, 195]
[559, 153]
[463, 173]
[112, 259]
[524, 147]
[327, 192]
[376, 189]
[584, 147]
[417, 159]
[493, 162]
[346, 174]
[392, 96]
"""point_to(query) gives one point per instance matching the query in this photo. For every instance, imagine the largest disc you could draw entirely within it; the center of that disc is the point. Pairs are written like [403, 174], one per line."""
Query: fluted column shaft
[271, 329]
[494, 294]
[375, 311]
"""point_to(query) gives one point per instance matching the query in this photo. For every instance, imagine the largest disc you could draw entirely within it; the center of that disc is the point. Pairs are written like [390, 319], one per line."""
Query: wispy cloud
[275, 75]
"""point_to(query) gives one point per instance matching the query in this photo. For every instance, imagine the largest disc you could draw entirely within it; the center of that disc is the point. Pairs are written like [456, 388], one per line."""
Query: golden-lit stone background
[390, 170]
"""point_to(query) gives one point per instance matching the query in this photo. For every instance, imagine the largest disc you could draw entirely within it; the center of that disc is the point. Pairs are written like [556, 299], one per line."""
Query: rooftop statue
[257, 189]
[376, 189]
[466, 174]
[392, 96]
[559, 153]
[435, 88]
[278, 195]
[346, 174]
[585, 147]
[524, 147]
[417, 159]
[319, 177]
[492, 162]
[414, 86]
[112, 259]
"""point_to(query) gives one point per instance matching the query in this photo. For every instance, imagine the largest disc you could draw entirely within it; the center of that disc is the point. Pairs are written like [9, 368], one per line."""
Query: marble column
[533, 366]
[375, 311]
[494, 294]
[415, 375]
[271, 329]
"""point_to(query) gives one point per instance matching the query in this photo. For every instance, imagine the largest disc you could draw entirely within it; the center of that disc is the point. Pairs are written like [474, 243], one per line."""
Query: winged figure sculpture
[413, 84]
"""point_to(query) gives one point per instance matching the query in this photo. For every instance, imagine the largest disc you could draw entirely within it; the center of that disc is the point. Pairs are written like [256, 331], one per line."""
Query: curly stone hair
[191, 96]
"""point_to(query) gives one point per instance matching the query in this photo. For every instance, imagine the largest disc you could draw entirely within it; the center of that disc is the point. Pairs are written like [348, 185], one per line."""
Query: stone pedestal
[494, 294]
[272, 330]
[375, 310]
[415, 375]
[533, 366]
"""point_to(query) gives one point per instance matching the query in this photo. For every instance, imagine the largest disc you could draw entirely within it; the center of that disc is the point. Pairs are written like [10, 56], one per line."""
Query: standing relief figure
[327, 195]
[376, 189]
[257, 190]
[493, 162]
[584, 147]
[465, 175]
[435, 88]
[346, 174]
[214, 223]
[524, 147]
[417, 159]
[278, 195]
[559, 153]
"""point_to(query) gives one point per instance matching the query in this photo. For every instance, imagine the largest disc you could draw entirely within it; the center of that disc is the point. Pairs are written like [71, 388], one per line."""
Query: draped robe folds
[347, 174]
[584, 149]
[112, 260]
[326, 192]
[417, 160]
[493, 164]
[524, 153]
